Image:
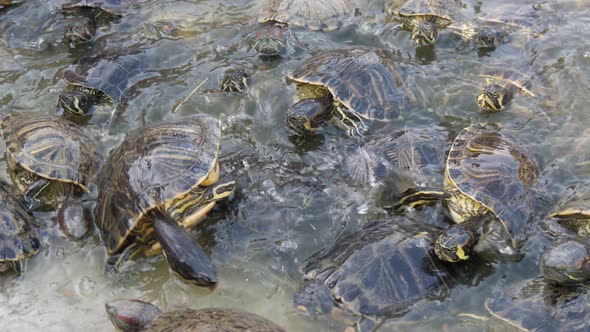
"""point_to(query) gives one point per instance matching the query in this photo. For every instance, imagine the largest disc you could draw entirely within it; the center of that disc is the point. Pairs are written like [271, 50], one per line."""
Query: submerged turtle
[104, 77]
[487, 183]
[161, 180]
[425, 17]
[83, 16]
[136, 315]
[535, 305]
[20, 238]
[502, 84]
[351, 85]
[568, 260]
[8, 3]
[274, 37]
[49, 159]
[376, 273]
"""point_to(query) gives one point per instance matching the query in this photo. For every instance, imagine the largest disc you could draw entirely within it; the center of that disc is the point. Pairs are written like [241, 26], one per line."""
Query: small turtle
[137, 315]
[568, 260]
[502, 84]
[83, 16]
[535, 305]
[235, 79]
[487, 184]
[20, 238]
[376, 273]
[426, 17]
[162, 179]
[106, 77]
[351, 85]
[273, 37]
[49, 159]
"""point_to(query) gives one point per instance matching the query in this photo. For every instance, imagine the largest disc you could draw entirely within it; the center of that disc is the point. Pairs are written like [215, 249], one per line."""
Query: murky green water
[294, 197]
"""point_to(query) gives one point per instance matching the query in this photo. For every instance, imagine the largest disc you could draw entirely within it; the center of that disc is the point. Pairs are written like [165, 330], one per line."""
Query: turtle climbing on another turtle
[137, 315]
[351, 85]
[51, 160]
[20, 237]
[488, 182]
[161, 180]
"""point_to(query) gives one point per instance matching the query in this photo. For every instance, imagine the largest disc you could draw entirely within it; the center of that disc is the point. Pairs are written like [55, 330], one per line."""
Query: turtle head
[131, 315]
[493, 97]
[235, 80]
[272, 40]
[455, 245]
[79, 30]
[489, 38]
[566, 263]
[424, 33]
[308, 115]
[75, 104]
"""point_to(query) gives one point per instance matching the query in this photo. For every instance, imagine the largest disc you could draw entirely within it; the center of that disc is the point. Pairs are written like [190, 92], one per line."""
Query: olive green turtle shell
[371, 83]
[152, 166]
[19, 236]
[494, 171]
[577, 207]
[441, 9]
[211, 320]
[113, 7]
[51, 147]
[315, 15]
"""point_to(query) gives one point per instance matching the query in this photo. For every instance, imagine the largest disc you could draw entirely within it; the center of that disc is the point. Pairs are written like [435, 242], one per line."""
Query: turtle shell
[315, 15]
[491, 169]
[154, 165]
[574, 213]
[6, 3]
[51, 147]
[534, 305]
[380, 270]
[372, 84]
[19, 236]
[113, 7]
[442, 10]
[112, 72]
[211, 319]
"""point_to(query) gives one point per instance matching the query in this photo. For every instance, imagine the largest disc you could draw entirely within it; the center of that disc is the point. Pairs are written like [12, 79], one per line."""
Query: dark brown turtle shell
[315, 15]
[154, 165]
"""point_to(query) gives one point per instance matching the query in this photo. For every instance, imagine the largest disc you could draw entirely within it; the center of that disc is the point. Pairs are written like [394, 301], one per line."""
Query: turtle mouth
[79, 31]
[235, 83]
[300, 125]
[272, 40]
[74, 104]
[424, 34]
[269, 47]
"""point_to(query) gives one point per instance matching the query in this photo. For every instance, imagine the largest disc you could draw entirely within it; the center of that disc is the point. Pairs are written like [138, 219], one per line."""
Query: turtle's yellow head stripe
[461, 253]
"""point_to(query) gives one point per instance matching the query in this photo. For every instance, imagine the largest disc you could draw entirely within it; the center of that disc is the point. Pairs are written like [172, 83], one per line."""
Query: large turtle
[49, 159]
[137, 315]
[83, 16]
[376, 273]
[488, 180]
[162, 179]
[103, 77]
[425, 17]
[568, 260]
[20, 238]
[351, 85]
[273, 37]
[535, 305]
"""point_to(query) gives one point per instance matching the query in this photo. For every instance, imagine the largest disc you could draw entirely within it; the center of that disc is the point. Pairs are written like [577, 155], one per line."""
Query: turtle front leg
[20, 267]
[114, 263]
[34, 191]
[349, 121]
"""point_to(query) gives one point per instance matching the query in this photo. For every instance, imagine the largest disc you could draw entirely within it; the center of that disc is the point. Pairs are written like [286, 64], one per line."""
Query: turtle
[351, 85]
[502, 84]
[8, 3]
[425, 17]
[20, 237]
[162, 179]
[567, 261]
[273, 36]
[105, 77]
[137, 315]
[376, 273]
[535, 305]
[81, 17]
[488, 182]
[51, 160]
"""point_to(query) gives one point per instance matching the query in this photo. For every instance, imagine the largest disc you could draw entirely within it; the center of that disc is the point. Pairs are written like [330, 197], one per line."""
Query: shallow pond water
[294, 196]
